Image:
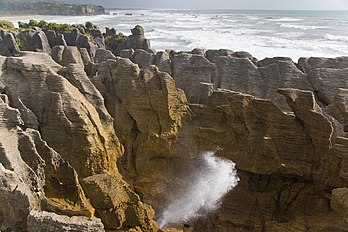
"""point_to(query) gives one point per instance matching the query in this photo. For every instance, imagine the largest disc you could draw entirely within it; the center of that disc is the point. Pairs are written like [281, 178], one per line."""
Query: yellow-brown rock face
[55, 131]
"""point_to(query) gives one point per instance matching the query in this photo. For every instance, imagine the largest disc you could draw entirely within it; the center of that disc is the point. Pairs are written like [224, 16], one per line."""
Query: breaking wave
[213, 178]
[336, 38]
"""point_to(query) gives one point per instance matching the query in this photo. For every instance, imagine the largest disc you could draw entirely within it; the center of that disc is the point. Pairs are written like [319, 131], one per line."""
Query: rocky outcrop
[283, 124]
[191, 72]
[65, 55]
[339, 202]
[118, 42]
[149, 112]
[49, 142]
[55, 39]
[34, 40]
[102, 55]
[283, 127]
[137, 40]
[46, 221]
[8, 45]
[117, 205]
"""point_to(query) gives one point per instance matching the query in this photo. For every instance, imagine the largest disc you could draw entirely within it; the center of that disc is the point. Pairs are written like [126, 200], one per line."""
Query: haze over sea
[262, 33]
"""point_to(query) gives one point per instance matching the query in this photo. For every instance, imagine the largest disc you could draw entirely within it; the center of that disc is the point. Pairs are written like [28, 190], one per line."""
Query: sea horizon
[263, 33]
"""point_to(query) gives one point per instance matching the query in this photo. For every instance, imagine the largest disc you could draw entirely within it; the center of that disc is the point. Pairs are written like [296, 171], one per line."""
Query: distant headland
[22, 7]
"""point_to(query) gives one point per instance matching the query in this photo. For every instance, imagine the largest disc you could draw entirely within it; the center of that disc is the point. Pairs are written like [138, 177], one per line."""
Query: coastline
[265, 34]
[105, 132]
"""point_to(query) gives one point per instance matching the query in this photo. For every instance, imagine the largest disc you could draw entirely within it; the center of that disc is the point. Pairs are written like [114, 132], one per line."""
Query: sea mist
[211, 180]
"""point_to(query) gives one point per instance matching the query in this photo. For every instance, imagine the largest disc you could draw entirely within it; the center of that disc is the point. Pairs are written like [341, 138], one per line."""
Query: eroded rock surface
[282, 126]
[70, 138]
[55, 131]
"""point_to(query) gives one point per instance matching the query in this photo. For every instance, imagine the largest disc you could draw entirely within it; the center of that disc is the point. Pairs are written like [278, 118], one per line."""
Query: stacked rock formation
[91, 139]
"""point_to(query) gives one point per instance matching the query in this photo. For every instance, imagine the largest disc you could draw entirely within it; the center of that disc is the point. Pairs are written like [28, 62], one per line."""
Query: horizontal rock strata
[96, 133]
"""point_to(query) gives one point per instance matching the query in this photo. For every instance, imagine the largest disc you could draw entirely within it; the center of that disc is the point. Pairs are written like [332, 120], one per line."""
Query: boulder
[71, 37]
[240, 75]
[41, 170]
[97, 36]
[30, 171]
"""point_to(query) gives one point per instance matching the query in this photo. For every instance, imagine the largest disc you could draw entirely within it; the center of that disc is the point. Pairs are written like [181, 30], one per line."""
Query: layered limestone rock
[65, 55]
[46, 221]
[284, 128]
[284, 124]
[34, 40]
[149, 112]
[55, 130]
[8, 45]
[117, 205]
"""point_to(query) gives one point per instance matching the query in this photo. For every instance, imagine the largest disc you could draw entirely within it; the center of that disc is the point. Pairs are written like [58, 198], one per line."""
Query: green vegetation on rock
[89, 25]
[120, 37]
[6, 25]
[47, 26]
[20, 44]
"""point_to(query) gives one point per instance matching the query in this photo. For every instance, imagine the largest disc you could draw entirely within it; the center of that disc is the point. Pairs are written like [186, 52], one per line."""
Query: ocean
[262, 33]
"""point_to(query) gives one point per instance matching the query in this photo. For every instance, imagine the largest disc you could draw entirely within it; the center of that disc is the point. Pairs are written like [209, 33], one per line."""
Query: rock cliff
[56, 138]
[48, 8]
[91, 138]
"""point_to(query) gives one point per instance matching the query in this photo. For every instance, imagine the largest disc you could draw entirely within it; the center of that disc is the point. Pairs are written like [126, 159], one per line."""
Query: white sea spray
[213, 178]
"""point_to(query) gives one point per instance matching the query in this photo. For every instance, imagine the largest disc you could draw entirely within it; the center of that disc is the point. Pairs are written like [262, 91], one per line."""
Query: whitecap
[302, 27]
[284, 19]
[336, 38]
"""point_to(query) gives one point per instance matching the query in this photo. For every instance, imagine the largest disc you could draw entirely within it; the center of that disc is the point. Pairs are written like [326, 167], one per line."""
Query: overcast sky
[224, 4]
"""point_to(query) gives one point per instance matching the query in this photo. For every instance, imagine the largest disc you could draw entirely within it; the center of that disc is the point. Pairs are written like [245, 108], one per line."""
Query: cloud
[224, 4]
